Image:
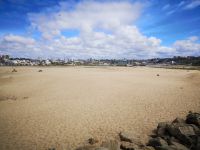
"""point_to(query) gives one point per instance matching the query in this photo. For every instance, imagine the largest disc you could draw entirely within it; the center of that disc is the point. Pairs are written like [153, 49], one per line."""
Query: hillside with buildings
[6, 60]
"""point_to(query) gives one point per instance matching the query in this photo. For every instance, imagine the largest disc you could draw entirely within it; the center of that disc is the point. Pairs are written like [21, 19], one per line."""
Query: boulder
[162, 129]
[196, 129]
[166, 147]
[39, 70]
[197, 145]
[172, 139]
[186, 130]
[124, 136]
[155, 142]
[128, 137]
[179, 120]
[182, 132]
[193, 118]
[153, 135]
[111, 145]
[178, 146]
[163, 124]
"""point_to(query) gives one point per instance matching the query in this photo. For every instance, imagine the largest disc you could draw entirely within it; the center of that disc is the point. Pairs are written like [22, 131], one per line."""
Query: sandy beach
[62, 107]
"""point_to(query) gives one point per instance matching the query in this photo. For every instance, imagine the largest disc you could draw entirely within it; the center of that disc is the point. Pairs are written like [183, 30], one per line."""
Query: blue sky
[99, 29]
[170, 21]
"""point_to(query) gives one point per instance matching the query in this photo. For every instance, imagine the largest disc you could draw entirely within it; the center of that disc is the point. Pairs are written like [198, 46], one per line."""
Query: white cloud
[189, 46]
[16, 45]
[126, 42]
[181, 3]
[166, 7]
[193, 4]
[171, 12]
[107, 30]
[18, 39]
[86, 16]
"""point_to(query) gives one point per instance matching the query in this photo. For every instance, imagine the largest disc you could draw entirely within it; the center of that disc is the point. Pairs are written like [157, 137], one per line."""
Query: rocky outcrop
[179, 134]
[193, 118]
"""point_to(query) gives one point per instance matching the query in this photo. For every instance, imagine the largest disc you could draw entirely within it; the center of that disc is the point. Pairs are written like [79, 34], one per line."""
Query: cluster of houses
[5, 60]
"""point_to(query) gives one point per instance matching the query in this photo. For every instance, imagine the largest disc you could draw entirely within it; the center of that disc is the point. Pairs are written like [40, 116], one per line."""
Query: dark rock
[51, 148]
[182, 132]
[129, 146]
[162, 132]
[196, 129]
[179, 120]
[92, 141]
[153, 135]
[178, 135]
[163, 124]
[157, 75]
[193, 118]
[178, 146]
[197, 145]
[172, 139]
[166, 147]
[185, 130]
[162, 129]
[39, 70]
[128, 137]
[111, 145]
[157, 142]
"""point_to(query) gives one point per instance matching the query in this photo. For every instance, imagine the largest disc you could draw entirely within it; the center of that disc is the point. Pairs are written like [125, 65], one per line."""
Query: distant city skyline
[115, 29]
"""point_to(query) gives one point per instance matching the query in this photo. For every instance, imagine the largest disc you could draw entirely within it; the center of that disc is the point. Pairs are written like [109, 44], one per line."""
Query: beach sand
[62, 107]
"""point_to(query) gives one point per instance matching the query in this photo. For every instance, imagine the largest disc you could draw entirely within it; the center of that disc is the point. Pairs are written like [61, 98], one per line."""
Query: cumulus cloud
[106, 30]
[126, 42]
[18, 45]
[18, 39]
[188, 46]
[86, 16]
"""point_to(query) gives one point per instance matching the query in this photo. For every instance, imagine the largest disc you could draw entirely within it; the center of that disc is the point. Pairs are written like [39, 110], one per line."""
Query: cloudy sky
[99, 29]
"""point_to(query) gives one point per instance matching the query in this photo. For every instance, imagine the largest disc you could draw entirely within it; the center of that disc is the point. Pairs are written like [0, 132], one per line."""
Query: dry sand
[64, 106]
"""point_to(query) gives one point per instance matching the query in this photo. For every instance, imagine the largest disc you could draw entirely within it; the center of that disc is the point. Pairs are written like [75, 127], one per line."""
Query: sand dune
[64, 106]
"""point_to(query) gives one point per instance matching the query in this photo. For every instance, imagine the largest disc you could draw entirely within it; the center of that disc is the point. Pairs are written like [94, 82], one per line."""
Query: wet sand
[62, 107]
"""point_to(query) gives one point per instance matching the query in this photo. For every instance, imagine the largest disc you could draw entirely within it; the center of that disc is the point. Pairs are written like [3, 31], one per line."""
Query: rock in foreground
[179, 134]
